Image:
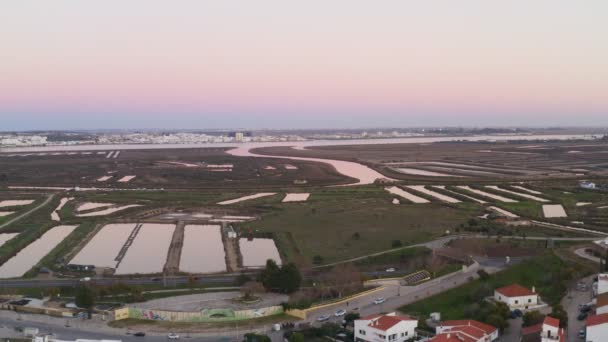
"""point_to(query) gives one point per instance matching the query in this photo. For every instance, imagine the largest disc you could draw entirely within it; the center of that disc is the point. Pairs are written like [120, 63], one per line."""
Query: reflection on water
[203, 251]
[103, 248]
[148, 252]
[255, 252]
[34, 252]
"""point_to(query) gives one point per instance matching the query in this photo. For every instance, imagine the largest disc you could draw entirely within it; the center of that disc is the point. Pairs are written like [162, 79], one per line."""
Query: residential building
[465, 330]
[384, 328]
[597, 328]
[602, 283]
[587, 185]
[517, 297]
[547, 331]
[601, 306]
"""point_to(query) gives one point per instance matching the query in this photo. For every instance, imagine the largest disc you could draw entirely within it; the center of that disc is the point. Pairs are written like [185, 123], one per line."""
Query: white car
[379, 300]
[390, 270]
[340, 313]
[323, 318]
[173, 336]
[85, 279]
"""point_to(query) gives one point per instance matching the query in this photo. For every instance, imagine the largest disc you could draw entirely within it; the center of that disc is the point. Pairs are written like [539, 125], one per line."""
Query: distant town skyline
[272, 64]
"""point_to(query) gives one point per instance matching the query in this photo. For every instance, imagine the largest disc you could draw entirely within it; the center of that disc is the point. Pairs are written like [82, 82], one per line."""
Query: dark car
[140, 334]
[582, 316]
[585, 309]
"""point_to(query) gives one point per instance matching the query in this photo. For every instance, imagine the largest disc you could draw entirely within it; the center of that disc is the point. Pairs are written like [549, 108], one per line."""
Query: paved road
[581, 253]
[27, 213]
[571, 302]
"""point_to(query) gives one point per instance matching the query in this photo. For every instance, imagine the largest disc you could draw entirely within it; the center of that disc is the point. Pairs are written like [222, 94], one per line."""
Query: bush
[531, 318]
[396, 243]
[317, 260]
[251, 337]
[483, 275]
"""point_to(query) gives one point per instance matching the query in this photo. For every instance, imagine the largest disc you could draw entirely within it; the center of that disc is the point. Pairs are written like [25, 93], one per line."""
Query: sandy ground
[92, 205]
[6, 213]
[527, 190]
[126, 179]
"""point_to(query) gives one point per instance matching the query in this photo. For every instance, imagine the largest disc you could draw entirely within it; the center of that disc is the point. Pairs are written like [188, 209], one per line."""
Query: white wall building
[517, 297]
[475, 330]
[597, 328]
[602, 283]
[384, 328]
[551, 332]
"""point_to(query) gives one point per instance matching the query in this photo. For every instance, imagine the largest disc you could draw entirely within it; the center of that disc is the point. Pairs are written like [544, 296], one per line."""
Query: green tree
[396, 243]
[269, 277]
[290, 278]
[296, 337]
[317, 260]
[561, 314]
[85, 297]
[531, 318]
[497, 321]
[251, 337]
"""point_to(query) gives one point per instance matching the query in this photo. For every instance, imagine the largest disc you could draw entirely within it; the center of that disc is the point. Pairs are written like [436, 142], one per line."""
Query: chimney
[534, 289]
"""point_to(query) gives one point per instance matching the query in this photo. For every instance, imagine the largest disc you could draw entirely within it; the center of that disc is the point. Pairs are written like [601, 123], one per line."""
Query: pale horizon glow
[311, 64]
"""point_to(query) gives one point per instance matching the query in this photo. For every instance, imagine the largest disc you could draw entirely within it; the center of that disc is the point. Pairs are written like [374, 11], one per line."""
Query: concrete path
[581, 253]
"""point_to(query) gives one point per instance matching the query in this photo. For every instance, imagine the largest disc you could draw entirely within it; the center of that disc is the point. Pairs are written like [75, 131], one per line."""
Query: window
[516, 302]
[529, 300]
[362, 332]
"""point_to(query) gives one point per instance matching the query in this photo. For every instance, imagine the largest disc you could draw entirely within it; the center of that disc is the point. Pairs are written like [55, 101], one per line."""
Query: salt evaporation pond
[255, 252]
[534, 198]
[5, 237]
[92, 205]
[203, 250]
[28, 257]
[420, 172]
[108, 211]
[410, 197]
[296, 197]
[554, 210]
[246, 198]
[432, 193]
[148, 252]
[527, 190]
[15, 203]
[487, 194]
[103, 248]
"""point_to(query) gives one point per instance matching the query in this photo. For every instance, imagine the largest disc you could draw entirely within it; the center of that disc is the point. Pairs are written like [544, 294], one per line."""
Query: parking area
[576, 296]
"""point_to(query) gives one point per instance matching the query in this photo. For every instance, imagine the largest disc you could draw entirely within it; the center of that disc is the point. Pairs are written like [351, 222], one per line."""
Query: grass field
[328, 223]
[548, 273]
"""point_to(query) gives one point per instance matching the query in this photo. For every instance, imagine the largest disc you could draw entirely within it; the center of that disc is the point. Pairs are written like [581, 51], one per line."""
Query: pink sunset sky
[302, 64]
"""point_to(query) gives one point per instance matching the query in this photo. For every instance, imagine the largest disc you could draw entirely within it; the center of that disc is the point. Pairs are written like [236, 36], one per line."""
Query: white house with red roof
[477, 331]
[384, 328]
[597, 328]
[517, 297]
[547, 331]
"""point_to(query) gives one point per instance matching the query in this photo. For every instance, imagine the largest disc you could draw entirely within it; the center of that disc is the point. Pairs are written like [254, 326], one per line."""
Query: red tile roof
[597, 319]
[554, 322]
[386, 322]
[488, 329]
[515, 290]
[533, 329]
[452, 337]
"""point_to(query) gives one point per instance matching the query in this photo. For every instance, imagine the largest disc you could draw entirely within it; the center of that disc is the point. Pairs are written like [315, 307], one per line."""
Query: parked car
[379, 300]
[85, 279]
[582, 333]
[340, 313]
[323, 318]
[140, 334]
[173, 336]
[390, 270]
[585, 309]
[582, 316]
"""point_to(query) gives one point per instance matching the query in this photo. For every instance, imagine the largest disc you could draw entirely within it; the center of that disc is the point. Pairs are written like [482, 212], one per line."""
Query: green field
[326, 225]
[548, 273]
